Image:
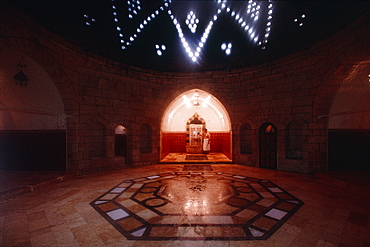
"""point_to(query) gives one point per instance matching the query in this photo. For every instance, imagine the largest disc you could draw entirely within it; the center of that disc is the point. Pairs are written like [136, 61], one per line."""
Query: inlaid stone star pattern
[192, 205]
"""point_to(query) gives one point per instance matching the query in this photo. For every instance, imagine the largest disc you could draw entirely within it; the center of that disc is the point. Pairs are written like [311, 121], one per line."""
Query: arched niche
[120, 141]
[349, 122]
[194, 129]
[120, 130]
[191, 102]
[268, 146]
[35, 105]
[350, 108]
[33, 121]
[175, 122]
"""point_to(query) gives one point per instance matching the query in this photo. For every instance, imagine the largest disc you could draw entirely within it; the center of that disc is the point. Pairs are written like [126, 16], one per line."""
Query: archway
[120, 141]
[33, 120]
[268, 146]
[176, 121]
[349, 123]
[194, 129]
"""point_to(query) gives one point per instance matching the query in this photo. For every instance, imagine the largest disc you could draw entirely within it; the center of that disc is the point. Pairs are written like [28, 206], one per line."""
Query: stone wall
[100, 92]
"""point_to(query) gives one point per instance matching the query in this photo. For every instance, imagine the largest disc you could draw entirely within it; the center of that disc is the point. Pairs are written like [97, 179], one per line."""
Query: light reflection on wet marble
[333, 215]
[212, 201]
[196, 194]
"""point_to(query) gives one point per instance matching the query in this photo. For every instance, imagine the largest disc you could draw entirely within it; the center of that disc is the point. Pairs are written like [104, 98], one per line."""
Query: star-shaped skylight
[254, 18]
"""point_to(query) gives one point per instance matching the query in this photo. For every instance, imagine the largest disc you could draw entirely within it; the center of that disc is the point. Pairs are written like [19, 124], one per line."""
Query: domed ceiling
[190, 36]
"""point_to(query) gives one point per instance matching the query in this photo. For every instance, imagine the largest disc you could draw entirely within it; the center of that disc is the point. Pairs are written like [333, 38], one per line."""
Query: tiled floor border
[136, 220]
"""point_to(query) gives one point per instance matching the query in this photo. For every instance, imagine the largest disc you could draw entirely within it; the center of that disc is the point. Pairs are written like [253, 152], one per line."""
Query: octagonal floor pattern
[197, 204]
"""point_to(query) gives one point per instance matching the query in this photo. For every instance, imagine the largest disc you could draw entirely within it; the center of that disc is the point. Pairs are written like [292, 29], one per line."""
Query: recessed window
[120, 141]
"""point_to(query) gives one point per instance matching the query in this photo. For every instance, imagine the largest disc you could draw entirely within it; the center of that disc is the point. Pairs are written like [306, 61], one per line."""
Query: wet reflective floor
[189, 205]
[197, 205]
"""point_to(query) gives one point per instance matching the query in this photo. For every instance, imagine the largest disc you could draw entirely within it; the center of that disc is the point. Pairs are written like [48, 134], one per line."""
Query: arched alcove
[33, 105]
[191, 103]
[268, 146]
[349, 122]
[120, 141]
[350, 108]
[33, 120]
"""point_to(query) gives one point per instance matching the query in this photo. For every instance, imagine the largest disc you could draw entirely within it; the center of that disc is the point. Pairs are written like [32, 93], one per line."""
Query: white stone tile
[117, 214]
[255, 232]
[276, 214]
[275, 189]
[139, 232]
[117, 190]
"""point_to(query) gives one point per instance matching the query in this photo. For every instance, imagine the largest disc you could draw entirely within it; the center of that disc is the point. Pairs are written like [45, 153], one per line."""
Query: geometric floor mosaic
[196, 205]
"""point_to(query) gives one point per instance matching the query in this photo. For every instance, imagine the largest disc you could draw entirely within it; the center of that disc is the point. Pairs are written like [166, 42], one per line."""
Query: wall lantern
[20, 78]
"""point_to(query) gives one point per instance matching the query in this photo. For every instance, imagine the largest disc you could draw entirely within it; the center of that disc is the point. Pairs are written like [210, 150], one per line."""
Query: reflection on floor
[196, 205]
[185, 204]
[196, 158]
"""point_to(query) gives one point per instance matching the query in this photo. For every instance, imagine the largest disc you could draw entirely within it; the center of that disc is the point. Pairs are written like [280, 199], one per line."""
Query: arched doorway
[120, 141]
[268, 146]
[178, 117]
[194, 129]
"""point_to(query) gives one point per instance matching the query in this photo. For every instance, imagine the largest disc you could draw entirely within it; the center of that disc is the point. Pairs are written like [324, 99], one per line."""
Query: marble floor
[219, 158]
[189, 205]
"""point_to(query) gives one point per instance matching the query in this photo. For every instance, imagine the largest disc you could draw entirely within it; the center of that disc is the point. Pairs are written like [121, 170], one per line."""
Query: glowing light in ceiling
[196, 101]
[89, 20]
[133, 8]
[192, 22]
[299, 20]
[226, 48]
[160, 49]
[248, 20]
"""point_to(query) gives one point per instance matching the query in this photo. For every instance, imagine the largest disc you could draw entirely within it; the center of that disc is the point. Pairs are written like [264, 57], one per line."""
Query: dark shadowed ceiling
[189, 36]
